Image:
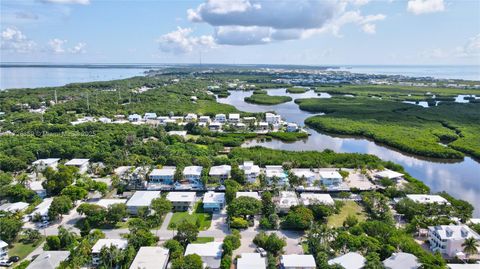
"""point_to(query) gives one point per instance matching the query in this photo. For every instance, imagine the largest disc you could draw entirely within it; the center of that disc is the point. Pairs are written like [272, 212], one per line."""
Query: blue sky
[241, 31]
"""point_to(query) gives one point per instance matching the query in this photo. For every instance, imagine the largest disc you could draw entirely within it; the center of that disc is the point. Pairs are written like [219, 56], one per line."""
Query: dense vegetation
[409, 128]
[297, 90]
[262, 98]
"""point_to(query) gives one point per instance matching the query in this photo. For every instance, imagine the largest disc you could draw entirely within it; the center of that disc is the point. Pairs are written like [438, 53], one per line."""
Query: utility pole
[56, 101]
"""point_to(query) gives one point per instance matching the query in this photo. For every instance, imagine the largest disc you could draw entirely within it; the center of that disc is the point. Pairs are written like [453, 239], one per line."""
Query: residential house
[191, 117]
[351, 260]
[3, 250]
[179, 133]
[213, 201]
[215, 126]
[177, 119]
[38, 188]
[234, 118]
[427, 199]
[462, 266]
[221, 172]
[151, 258]
[193, 174]
[210, 253]
[292, 127]
[251, 171]
[309, 198]
[222, 118]
[448, 239]
[249, 120]
[105, 203]
[134, 118]
[402, 260]
[204, 119]
[150, 116]
[388, 174]
[307, 174]
[273, 119]
[141, 199]
[96, 249]
[251, 261]
[330, 178]
[13, 207]
[163, 175]
[42, 164]
[49, 259]
[262, 126]
[252, 194]
[81, 164]
[182, 201]
[275, 173]
[295, 261]
[162, 119]
[286, 200]
[42, 209]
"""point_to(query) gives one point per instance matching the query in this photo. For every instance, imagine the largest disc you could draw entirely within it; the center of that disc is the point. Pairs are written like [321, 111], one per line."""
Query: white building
[151, 258]
[276, 172]
[119, 243]
[298, 261]
[193, 174]
[448, 239]
[222, 118]
[81, 164]
[210, 253]
[205, 119]
[252, 194]
[42, 164]
[49, 260]
[251, 171]
[141, 199]
[163, 175]
[402, 260]
[388, 174]
[222, 172]
[191, 117]
[213, 201]
[285, 200]
[251, 261]
[14, 207]
[42, 209]
[329, 178]
[308, 198]
[215, 126]
[292, 127]
[427, 199]
[234, 118]
[262, 126]
[309, 176]
[150, 116]
[273, 119]
[38, 188]
[182, 201]
[108, 202]
[351, 260]
[134, 118]
[3, 250]
[179, 133]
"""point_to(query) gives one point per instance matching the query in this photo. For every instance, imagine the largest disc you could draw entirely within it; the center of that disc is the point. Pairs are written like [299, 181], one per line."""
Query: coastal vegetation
[297, 90]
[262, 98]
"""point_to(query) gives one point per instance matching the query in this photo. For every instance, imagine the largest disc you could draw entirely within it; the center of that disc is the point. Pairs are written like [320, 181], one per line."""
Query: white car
[262, 252]
[5, 263]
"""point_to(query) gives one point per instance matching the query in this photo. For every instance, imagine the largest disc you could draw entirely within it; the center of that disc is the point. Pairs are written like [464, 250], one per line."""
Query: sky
[321, 32]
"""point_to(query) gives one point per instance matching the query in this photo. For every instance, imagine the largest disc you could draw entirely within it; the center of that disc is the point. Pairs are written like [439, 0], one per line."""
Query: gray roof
[351, 260]
[402, 260]
[150, 258]
[49, 260]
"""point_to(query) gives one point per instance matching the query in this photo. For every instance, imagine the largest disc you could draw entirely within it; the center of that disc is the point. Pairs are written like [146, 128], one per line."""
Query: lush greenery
[197, 217]
[297, 90]
[262, 98]
[349, 209]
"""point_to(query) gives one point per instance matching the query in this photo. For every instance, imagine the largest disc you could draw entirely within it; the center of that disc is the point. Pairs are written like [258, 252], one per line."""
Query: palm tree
[23, 179]
[470, 246]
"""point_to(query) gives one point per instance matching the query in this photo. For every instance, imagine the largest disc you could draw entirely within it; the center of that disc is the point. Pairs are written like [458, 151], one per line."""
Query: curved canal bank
[460, 178]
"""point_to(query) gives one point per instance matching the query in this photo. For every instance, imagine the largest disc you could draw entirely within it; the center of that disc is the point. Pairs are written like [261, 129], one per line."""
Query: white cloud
[79, 48]
[369, 28]
[56, 45]
[180, 41]
[14, 40]
[418, 7]
[80, 2]
[471, 48]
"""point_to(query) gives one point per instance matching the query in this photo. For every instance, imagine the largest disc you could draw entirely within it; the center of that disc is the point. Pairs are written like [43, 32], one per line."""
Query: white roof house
[251, 170]
[44, 163]
[179, 133]
[220, 170]
[272, 118]
[427, 199]
[150, 116]
[14, 207]
[402, 260]
[192, 171]
[298, 261]
[119, 243]
[166, 171]
[77, 162]
[220, 117]
[191, 117]
[108, 202]
[234, 117]
[204, 119]
[251, 261]
[134, 117]
[388, 174]
[141, 199]
[214, 198]
[211, 253]
[316, 198]
[308, 174]
[42, 208]
[49, 260]
[462, 266]
[151, 258]
[287, 199]
[179, 197]
[276, 171]
[351, 260]
[252, 194]
[330, 174]
[448, 239]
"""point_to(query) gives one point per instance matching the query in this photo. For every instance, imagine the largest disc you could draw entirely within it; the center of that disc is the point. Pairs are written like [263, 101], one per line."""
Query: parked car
[14, 259]
[5, 263]
[262, 252]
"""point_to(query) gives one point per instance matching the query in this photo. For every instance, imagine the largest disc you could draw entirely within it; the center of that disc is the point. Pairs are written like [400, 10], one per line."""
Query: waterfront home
[215, 126]
[151, 258]
[273, 119]
[141, 199]
[222, 118]
[134, 118]
[351, 260]
[388, 174]
[251, 171]
[42, 164]
[105, 203]
[179, 133]
[295, 261]
[309, 198]
[304, 173]
[427, 199]
[204, 119]
[402, 260]
[292, 127]
[177, 119]
[249, 119]
[329, 178]
[150, 116]
[220, 172]
[182, 201]
[213, 201]
[191, 117]
[193, 174]
[252, 194]
[276, 174]
[38, 188]
[448, 239]
[13, 207]
[241, 126]
[42, 209]
[286, 200]
[251, 261]
[163, 175]
[234, 118]
[121, 244]
[49, 259]
[210, 253]
[81, 164]
[162, 119]
[262, 126]
[3, 250]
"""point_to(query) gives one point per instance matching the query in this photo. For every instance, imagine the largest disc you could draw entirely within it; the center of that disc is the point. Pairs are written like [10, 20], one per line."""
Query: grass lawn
[198, 216]
[201, 240]
[21, 249]
[349, 208]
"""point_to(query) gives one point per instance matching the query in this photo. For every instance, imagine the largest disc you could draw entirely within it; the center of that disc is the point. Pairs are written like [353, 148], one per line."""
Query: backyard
[349, 208]
[197, 217]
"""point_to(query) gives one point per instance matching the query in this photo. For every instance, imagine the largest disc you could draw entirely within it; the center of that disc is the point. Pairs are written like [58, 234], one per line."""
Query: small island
[262, 98]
